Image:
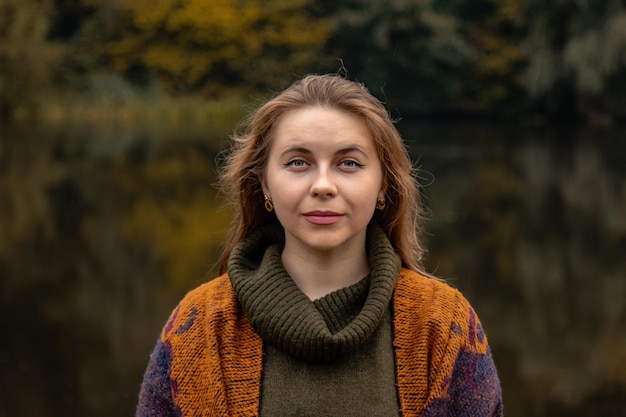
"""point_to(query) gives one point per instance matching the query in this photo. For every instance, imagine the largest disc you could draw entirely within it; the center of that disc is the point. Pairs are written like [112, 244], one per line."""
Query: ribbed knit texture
[286, 318]
[359, 383]
[362, 379]
[208, 360]
[340, 307]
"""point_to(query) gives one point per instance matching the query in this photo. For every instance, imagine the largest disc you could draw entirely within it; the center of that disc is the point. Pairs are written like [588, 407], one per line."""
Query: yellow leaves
[174, 60]
[511, 10]
[498, 58]
[299, 31]
[185, 42]
[222, 19]
[499, 54]
[166, 57]
[147, 14]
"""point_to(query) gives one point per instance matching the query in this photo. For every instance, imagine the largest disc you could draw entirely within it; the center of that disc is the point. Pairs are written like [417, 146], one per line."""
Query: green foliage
[407, 48]
[27, 58]
[577, 49]
[218, 46]
[85, 56]
[420, 56]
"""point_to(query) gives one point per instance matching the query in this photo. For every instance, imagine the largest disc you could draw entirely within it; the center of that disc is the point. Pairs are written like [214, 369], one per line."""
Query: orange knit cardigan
[210, 359]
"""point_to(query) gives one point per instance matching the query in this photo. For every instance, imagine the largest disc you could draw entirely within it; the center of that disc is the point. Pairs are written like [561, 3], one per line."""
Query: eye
[350, 163]
[296, 163]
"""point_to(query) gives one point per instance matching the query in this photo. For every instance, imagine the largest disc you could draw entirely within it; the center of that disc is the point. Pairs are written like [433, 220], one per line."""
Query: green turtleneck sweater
[249, 343]
[328, 357]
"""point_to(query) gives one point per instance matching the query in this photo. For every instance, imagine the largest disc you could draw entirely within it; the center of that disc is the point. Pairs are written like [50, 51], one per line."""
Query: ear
[264, 187]
[383, 190]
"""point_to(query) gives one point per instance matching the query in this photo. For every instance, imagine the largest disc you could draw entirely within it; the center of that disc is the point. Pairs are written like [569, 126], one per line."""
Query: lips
[323, 217]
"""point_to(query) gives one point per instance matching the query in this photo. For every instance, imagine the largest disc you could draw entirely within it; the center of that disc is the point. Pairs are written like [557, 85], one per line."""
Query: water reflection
[103, 230]
[534, 226]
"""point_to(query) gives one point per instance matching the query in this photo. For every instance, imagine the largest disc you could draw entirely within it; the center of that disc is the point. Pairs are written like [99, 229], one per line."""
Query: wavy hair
[244, 165]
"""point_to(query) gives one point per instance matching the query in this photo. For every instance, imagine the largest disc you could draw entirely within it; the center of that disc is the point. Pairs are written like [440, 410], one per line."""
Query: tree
[576, 53]
[494, 29]
[220, 45]
[27, 58]
[83, 26]
[408, 49]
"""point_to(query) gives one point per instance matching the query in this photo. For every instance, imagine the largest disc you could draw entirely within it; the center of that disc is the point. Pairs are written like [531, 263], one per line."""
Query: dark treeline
[490, 58]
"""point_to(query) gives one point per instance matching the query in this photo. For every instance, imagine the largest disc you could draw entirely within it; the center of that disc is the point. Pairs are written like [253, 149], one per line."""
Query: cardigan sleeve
[470, 383]
[443, 360]
[155, 396]
[207, 360]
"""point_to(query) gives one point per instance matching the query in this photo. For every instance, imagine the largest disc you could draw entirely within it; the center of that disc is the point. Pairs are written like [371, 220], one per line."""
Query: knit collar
[287, 319]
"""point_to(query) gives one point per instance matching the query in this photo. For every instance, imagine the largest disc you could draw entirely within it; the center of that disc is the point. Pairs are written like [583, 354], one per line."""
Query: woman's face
[323, 175]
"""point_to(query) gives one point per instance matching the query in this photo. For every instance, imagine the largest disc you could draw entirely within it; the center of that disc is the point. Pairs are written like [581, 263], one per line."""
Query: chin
[325, 245]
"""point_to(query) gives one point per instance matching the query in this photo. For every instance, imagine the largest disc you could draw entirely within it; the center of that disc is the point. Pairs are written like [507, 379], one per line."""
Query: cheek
[283, 195]
[372, 188]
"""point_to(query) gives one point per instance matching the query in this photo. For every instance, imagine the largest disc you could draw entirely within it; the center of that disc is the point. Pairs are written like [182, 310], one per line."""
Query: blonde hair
[246, 162]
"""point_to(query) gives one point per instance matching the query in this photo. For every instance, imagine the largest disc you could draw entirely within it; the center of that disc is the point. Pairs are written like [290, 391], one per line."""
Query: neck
[319, 274]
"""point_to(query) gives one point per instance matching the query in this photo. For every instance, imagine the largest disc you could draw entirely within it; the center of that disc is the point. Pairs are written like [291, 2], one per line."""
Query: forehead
[322, 127]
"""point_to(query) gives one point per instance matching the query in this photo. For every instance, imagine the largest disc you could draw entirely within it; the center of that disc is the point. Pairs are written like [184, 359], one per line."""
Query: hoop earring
[269, 206]
[381, 203]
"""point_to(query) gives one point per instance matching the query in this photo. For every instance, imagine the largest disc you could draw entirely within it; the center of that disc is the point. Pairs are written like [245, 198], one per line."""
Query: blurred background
[113, 115]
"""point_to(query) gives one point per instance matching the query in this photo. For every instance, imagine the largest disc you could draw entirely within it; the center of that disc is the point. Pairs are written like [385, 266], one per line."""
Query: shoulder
[210, 299]
[442, 349]
[430, 302]
[412, 286]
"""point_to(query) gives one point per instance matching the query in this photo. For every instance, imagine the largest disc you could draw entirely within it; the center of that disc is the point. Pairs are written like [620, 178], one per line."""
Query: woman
[322, 308]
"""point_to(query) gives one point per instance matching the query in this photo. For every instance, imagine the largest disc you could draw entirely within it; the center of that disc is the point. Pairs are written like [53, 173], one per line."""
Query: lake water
[104, 228]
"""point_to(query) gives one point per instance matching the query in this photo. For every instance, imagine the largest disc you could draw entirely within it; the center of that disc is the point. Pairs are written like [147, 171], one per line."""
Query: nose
[323, 184]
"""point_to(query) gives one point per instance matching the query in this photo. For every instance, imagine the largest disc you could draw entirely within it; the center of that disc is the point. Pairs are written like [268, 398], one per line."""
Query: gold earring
[381, 204]
[269, 206]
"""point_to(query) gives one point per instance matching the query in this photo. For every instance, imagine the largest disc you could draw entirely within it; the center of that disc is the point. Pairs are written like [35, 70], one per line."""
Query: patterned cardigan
[208, 359]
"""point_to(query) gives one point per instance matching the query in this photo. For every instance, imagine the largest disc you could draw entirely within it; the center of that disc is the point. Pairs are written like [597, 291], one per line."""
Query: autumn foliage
[219, 46]
[497, 58]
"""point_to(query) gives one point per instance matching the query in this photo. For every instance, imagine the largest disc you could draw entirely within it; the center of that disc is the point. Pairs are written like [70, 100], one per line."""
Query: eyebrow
[342, 151]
